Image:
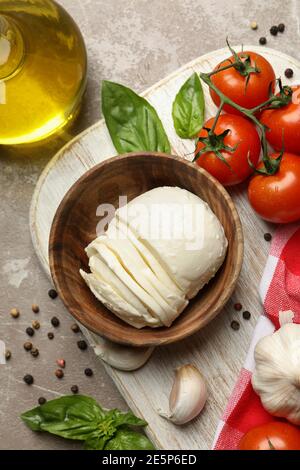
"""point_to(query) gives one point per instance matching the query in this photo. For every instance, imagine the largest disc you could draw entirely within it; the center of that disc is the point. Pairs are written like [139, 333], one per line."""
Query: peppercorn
[34, 352]
[288, 73]
[82, 344]
[7, 354]
[42, 400]
[246, 315]
[35, 308]
[59, 373]
[52, 293]
[267, 237]
[281, 27]
[61, 363]
[75, 328]
[55, 321]
[262, 41]
[27, 346]
[15, 313]
[88, 372]
[235, 325]
[253, 25]
[274, 30]
[30, 331]
[28, 379]
[36, 324]
[238, 306]
[74, 389]
[50, 335]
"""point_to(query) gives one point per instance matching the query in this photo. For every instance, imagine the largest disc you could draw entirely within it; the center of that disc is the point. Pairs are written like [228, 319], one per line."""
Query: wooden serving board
[217, 350]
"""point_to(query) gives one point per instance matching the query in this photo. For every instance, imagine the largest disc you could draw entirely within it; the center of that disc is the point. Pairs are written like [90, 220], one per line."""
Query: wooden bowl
[74, 226]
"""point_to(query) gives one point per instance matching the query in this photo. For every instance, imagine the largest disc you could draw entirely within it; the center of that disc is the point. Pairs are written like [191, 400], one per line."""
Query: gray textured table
[135, 42]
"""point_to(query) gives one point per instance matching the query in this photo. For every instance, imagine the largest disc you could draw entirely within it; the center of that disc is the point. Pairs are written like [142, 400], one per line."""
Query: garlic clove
[188, 395]
[121, 357]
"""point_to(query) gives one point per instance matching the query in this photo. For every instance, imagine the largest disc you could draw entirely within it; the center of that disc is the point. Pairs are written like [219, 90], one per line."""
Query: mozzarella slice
[114, 264]
[134, 264]
[114, 302]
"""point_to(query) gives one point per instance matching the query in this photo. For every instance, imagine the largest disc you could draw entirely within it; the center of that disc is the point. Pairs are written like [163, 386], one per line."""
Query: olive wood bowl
[74, 227]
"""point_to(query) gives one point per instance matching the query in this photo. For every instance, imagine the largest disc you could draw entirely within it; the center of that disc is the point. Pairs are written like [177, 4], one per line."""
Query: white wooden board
[217, 350]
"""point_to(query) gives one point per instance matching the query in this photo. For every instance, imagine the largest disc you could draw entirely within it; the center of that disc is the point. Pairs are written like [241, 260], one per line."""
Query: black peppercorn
[52, 293]
[74, 389]
[27, 346]
[55, 321]
[42, 400]
[28, 379]
[274, 30]
[246, 315]
[235, 325]
[59, 373]
[50, 335]
[82, 344]
[262, 41]
[34, 352]
[75, 328]
[288, 73]
[281, 27]
[88, 372]
[30, 331]
[267, 237]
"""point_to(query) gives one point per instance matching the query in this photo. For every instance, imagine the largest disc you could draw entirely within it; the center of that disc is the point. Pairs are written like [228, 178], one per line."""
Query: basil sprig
[82, 418]
[188, 108]
[132, 122]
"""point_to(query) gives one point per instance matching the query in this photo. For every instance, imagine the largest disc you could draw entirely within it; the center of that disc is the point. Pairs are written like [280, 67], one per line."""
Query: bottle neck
[11, 47]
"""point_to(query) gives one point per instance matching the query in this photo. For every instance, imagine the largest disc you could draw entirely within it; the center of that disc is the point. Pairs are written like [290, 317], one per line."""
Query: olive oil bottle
[43, 69]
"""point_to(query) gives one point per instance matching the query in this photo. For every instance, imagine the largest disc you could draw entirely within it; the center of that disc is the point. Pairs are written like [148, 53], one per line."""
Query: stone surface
[137, 43]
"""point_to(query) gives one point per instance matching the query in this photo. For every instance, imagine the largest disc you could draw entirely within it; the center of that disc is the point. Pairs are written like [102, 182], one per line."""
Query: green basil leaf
[125, 439]
[120, 418]
[95, 443]
[132, 122]
[72, 417]
[188, 108]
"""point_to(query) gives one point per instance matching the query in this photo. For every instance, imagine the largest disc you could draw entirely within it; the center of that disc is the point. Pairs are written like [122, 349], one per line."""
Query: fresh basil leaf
[120, 418]
[95, 443]
[72, 417]
[125, 439]
[188, 108]
[132, 122]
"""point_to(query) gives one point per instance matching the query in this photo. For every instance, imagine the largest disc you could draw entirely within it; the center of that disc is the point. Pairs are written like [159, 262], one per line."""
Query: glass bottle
[43, 68]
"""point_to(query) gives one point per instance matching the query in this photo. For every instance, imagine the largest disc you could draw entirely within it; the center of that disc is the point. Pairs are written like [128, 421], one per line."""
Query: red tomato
[284, 123]
[233, 85]
[272, 436]
[276, 198]
[243, 134]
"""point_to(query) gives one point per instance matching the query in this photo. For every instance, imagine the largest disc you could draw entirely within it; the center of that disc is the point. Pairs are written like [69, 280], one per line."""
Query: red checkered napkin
[280, 295]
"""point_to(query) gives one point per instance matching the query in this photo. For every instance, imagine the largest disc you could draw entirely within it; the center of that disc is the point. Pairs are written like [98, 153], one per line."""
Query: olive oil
[42, 70]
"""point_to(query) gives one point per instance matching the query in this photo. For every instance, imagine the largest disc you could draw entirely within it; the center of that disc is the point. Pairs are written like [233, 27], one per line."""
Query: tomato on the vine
[275, 435]
[234, 85]
[242, 138]
[276, 198]
[284, 124]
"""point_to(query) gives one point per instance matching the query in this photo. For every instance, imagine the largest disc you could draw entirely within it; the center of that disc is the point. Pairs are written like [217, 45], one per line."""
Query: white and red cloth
[280, 295]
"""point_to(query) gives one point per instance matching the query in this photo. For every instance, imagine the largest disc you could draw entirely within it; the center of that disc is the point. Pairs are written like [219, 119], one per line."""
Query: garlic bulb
[188, 395]
[277, 372]
[122, 357]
